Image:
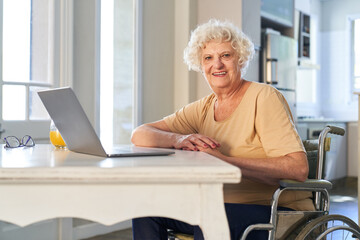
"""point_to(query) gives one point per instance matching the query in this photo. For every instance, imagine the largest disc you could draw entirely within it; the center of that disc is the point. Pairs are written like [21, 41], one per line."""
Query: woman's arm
[158, 134]
[269, 170]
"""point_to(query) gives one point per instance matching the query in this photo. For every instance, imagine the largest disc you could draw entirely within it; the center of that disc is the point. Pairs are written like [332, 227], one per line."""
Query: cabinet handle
[271, 70]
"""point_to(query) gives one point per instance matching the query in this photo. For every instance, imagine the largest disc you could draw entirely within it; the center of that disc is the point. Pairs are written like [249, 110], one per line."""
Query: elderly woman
[247, 124]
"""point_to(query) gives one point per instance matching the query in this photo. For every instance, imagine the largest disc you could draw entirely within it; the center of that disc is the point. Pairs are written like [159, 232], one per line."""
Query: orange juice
[56, 139]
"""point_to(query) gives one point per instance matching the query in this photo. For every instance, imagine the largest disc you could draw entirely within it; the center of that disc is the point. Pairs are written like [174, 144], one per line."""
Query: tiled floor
[343, 201]
[343, 198]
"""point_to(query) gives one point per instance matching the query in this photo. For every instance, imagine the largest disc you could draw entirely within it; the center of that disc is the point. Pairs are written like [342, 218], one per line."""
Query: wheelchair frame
[311, 219]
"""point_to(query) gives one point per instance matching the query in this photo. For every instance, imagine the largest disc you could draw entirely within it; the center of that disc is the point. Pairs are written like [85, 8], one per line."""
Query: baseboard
[95, 229]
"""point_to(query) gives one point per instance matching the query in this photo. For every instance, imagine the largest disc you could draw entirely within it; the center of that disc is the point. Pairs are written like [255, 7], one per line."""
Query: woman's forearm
[293, 166]
[150, 136]
[269, 170]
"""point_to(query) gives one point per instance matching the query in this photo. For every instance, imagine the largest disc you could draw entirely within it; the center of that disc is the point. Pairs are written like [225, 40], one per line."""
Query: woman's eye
[207, 58]
[226, 55]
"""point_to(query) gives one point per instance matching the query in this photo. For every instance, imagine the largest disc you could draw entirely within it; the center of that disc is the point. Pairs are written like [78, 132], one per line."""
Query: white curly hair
[222, 31]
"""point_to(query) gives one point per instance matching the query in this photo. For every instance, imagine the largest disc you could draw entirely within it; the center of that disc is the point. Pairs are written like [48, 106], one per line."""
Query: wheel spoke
[330, 227]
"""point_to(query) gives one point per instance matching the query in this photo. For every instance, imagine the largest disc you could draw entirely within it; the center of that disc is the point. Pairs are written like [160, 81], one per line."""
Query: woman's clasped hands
[195, 142]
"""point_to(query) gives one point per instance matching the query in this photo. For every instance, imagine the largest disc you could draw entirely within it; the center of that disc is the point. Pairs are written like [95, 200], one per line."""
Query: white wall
[337, 97]
[158, 59]
[85, 69]
[184, 80]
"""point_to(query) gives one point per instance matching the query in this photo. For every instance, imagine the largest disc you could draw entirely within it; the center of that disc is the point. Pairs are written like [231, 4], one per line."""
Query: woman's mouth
[219, 74]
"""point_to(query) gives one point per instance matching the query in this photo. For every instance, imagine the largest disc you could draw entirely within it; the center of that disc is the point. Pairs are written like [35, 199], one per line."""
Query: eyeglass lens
[12, 142]
[27, 141]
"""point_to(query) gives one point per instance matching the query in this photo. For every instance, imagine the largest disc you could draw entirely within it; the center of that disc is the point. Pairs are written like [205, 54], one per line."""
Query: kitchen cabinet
[304, 36]
[279, 12]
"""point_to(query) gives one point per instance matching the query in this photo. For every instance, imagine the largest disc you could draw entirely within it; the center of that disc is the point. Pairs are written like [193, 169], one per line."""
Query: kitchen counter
[324, 120]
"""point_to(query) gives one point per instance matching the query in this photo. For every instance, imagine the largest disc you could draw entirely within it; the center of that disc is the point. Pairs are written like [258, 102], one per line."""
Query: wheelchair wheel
[330, 227]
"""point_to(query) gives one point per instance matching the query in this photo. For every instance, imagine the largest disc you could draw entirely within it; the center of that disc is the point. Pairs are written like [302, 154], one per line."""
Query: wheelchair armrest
[259, 226]
[309, 183]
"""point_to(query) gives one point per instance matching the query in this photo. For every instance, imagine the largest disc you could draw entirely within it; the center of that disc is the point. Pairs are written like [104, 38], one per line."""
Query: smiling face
[219, 63]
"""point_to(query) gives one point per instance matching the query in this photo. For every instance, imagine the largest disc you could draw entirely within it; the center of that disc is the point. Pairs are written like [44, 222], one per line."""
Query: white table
[43, 183]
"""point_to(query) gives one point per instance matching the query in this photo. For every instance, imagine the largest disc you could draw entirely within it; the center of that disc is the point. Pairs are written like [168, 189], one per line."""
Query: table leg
[214, 222]
[65, 229]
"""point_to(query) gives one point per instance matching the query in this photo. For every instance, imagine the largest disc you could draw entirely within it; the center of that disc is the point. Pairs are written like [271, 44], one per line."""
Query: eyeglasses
[14, 142]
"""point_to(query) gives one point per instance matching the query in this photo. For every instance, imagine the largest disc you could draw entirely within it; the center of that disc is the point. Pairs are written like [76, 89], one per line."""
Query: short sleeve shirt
[260, 127]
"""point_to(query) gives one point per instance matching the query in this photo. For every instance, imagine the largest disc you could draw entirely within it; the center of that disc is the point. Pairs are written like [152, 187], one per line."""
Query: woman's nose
[218, 62]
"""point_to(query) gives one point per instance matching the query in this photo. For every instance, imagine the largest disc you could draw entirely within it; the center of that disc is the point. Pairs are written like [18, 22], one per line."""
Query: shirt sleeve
[275, 126]
[186, 120]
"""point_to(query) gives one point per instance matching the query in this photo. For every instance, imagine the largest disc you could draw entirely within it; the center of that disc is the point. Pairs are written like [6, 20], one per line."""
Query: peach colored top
[260, 127]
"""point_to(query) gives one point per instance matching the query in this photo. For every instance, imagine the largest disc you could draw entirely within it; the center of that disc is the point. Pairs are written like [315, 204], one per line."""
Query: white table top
[43, 183]
[46, 163]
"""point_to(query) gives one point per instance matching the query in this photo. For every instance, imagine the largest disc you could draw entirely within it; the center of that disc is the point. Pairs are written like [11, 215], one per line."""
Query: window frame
[138, 78]
[106, 137]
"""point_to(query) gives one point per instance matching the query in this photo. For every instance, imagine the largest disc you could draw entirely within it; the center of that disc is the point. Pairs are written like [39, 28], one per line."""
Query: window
[27, 64]
[31, 61]
[356, 54]
[25, 58]
[116, 71]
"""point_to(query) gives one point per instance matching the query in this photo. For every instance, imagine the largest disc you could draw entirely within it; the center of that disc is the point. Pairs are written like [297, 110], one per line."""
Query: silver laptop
[69, 117]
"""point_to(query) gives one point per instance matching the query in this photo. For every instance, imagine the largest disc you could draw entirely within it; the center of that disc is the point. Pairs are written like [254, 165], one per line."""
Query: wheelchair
[305, 225]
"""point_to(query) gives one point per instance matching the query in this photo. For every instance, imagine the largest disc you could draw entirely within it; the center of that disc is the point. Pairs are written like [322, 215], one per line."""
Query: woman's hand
[195, 142]
[158, 134]
[213, 151]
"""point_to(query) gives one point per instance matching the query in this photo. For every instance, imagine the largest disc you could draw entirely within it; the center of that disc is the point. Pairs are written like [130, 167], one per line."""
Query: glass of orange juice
[55, 136]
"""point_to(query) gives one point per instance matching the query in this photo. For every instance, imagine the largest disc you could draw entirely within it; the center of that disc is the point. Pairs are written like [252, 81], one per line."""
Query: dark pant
[239, 216]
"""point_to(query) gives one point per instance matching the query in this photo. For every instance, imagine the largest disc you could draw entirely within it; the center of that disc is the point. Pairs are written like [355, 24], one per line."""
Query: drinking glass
[55, 136]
